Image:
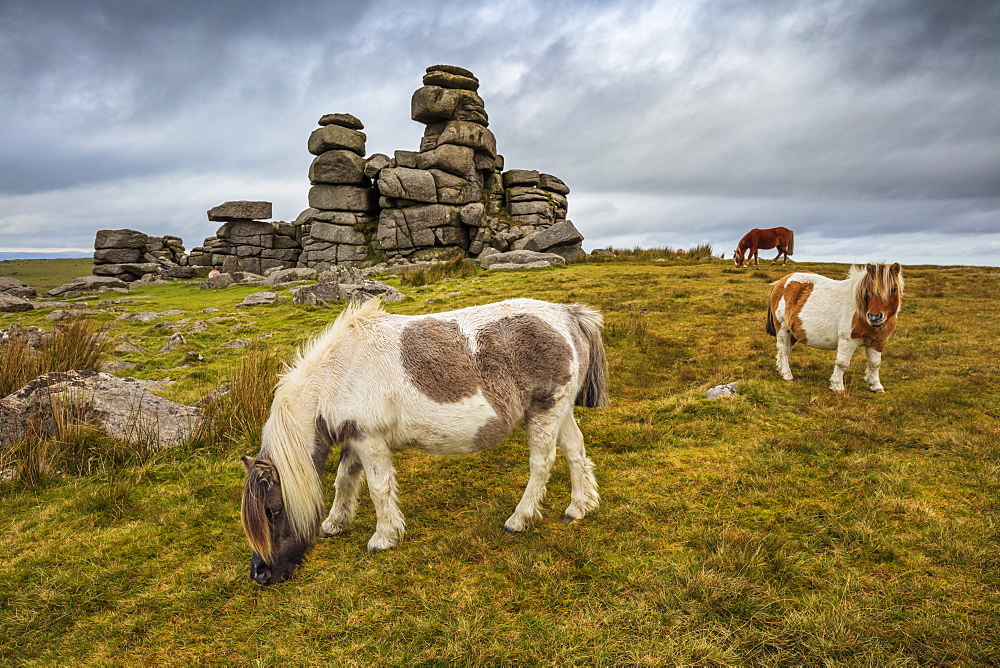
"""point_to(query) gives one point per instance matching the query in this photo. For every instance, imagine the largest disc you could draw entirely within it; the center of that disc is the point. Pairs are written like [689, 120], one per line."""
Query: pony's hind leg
[871, 371]
[345, 500]
[584, 496]
[376, 459]
[542, 432]
[783, 341]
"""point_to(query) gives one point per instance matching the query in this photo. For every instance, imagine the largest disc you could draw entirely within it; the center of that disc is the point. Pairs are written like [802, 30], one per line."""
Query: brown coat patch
[874, 337]
[795, 294]
[520, 364]
[438, 360]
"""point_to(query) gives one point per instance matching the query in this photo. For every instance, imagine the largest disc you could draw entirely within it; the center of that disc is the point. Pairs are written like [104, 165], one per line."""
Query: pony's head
[878, 292]
[277, 548]
[738, 257]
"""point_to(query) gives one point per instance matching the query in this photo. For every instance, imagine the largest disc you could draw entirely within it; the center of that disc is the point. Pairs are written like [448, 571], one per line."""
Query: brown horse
[781, 238]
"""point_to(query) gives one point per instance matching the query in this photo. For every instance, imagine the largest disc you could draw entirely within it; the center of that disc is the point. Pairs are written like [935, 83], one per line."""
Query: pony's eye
[892, 291]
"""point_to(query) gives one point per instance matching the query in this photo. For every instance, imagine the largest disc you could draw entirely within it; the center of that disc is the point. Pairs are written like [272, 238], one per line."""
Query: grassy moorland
[789, 525]
[43, 275]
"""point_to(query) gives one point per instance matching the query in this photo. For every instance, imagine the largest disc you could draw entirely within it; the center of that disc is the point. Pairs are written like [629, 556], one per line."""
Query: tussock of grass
[78, 345]
[457, 267]
[699, 252]
[235, 415]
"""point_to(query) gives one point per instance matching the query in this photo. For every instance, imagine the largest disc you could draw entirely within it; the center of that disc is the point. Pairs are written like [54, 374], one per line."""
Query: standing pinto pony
[781, 238]
[447, 383]
[842, 315]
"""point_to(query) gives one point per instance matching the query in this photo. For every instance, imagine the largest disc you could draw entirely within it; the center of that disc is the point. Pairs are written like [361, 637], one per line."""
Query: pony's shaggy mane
[864, 284]
[289, 436]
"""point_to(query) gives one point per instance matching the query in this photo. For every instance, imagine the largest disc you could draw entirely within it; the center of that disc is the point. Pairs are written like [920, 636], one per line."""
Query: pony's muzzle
[259, 571]
[875, 319]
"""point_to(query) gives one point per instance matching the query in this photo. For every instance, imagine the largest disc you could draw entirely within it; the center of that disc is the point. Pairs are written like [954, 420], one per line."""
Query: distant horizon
[766, 256]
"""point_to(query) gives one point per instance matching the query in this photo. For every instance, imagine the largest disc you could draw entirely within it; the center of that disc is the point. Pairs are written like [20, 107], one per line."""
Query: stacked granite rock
[339, 225]
[245, 243]
[129, 255]
[537, 205]
[433, 200]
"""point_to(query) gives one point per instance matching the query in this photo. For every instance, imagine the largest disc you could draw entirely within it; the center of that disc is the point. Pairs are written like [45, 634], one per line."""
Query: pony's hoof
[569, 519]
[880, 390]
[322, 534]
[508, 531]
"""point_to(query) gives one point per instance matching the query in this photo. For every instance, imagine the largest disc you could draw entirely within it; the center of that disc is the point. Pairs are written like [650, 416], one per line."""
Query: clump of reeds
[699, 252]
[77, 345]
[631, 324]
[457, 267]
[236, 413]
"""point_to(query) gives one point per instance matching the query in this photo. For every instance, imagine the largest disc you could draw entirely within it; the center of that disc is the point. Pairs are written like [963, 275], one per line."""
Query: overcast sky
[870, 128]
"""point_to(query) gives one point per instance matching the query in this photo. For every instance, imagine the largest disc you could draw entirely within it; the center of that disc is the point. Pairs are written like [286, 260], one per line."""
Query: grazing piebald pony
[837, 315]
[446, 383]
[781, 238]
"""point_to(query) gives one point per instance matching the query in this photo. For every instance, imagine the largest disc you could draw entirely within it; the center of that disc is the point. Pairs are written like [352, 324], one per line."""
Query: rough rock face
[12, 286]
[123, 408]
[343, 283]
[12, 303]
[87, 284]
[129, 255]
[448, 197]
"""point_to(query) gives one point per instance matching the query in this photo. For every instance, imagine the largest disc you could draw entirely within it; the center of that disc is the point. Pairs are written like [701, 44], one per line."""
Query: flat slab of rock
[260, 299]
[123, 408]
[88, 283]
[240, 210]
[11, 303]
[12, 286]
[521, 257]
[560, 234]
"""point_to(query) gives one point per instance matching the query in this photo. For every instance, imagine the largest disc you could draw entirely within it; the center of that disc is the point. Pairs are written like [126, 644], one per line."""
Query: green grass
[789, 525]
[43, 275]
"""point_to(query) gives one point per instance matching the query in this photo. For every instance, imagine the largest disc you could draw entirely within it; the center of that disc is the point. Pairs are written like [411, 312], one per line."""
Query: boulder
[240, 210]
[720, 391]
[376, 164]
[174, 341]
[12, 286]
[344, 198]
[559, 234]
[330, 137]
[120, 239]
[520, 177]
[117, 255]
[412, 184]
[450, 80]
[552, 184]
[11, 303]
[123, 408]
[432, 104]
[287, 275]
[451, 158]
[520, 257]
[337, 234]
[88, 283]
[217, 281]
[344, 120]
[467, 133]
[338, 167]
[260, 299]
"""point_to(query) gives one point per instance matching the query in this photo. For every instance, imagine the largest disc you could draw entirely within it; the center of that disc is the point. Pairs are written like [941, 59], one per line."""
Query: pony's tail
[593, 392]
[769, 325]
[791, 243]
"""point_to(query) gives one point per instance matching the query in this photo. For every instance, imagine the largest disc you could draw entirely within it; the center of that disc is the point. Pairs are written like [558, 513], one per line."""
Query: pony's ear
[895, 269]
[247, 462]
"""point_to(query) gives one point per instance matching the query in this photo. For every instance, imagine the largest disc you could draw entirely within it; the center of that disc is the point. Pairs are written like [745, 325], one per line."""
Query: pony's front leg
[542, 432]
[376, 459]
[845, 350]
[584, 497]
[871, 372]
[783, 341]
[345, 500]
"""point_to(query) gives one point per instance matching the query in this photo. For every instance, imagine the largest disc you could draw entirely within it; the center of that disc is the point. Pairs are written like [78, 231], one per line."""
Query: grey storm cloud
[862, 124]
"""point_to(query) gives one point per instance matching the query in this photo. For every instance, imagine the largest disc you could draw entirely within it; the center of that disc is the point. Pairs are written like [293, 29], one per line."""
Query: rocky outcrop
[12, 286]
[123, 408]
[245, 242]
[343, 283]
[129, 255]
[87, 284]
[450, 196]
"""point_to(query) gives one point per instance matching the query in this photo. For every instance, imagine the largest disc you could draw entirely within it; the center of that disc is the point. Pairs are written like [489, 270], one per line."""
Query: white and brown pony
[446, 383]
[837, 315]
[756, 239]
